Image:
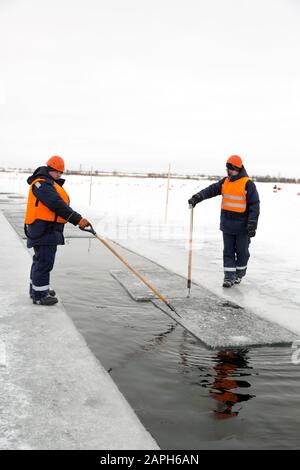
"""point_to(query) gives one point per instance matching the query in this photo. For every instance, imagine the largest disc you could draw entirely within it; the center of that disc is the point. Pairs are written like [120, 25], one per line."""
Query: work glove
[251, 228]
[83, 223]
[194, 200]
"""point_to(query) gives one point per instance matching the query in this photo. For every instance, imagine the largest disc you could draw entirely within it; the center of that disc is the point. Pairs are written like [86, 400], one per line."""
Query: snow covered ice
[217, 323]
[131, 211]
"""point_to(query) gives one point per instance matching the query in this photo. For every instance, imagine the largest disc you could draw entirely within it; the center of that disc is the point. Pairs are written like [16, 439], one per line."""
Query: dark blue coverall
[44, 236]
[235, 226]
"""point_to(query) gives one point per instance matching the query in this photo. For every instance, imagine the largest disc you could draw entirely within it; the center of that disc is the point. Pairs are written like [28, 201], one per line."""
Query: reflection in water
[222, 389]
[222, 374]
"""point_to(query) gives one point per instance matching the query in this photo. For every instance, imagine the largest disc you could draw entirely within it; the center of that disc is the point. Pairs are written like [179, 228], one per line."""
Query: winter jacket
[234, 222]
[47, 232]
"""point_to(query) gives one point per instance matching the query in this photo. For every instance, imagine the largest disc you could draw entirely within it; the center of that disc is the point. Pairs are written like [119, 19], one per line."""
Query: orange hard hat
[236, 161]
[56, 163]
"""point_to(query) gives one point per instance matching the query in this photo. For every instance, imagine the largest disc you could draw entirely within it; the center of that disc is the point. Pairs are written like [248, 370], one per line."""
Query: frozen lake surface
[186, 395]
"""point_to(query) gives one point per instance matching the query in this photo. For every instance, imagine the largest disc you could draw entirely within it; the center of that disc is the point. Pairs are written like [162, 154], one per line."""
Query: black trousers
[42, 264]
[235, 254]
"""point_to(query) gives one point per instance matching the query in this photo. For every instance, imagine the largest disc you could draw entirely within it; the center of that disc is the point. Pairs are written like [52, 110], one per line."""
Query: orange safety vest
[234, 195]
[37, 210]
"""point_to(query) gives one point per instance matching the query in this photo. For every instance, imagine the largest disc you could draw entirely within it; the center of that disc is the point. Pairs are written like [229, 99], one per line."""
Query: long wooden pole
[189, 279]
[133, 270]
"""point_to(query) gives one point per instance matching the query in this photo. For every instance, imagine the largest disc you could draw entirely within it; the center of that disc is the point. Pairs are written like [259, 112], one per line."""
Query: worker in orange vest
[47, 212]
[239, 217]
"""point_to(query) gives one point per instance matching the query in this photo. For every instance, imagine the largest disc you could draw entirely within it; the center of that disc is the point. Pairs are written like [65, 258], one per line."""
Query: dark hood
[241, 174]
[43, 172]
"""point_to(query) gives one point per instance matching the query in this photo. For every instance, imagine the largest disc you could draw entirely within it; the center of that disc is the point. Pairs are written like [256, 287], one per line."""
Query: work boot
[48, 300]
[228, 282]
[51, 292]
[238, 280]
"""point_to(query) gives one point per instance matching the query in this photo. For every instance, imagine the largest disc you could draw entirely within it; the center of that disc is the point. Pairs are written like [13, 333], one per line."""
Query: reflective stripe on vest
[234, 195]
[37, 210]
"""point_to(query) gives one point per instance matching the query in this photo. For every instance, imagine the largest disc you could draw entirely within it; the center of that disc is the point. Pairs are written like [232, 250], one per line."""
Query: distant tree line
[274, 179]
[262, 179]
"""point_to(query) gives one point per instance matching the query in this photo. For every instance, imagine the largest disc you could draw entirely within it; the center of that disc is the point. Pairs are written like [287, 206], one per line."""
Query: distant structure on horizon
[262, 179]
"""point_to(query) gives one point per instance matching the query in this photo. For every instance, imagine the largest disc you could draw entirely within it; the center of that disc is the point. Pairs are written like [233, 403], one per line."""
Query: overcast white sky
[136, 84]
